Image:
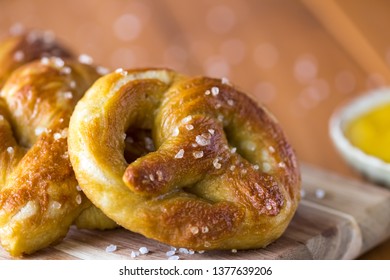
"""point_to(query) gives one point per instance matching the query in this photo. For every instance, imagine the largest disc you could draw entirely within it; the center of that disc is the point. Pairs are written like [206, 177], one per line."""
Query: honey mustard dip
[370, 132]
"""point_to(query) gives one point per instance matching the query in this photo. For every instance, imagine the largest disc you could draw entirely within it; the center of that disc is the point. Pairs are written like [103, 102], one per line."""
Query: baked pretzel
[39, 194]
[222, 176]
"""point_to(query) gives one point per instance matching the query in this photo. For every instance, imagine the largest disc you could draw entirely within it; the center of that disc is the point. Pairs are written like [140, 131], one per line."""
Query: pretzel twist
[39, 199]
[222, 176]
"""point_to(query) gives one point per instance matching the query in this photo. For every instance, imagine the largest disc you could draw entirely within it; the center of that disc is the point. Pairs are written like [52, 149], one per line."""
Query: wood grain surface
[338, 218]
[302, 59]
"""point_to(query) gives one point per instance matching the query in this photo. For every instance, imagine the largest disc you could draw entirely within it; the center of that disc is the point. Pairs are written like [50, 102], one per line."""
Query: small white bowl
[373, 168]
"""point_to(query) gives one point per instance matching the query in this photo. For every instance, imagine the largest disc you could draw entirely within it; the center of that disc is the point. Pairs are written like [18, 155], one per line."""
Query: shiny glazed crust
[39, 198]
[216, 171]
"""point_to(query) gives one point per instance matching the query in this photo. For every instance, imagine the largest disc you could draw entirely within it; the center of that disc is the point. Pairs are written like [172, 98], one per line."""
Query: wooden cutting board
[350, 219]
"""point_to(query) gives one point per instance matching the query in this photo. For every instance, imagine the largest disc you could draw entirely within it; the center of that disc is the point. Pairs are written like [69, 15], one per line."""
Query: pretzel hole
[138, 142]
[251, 145]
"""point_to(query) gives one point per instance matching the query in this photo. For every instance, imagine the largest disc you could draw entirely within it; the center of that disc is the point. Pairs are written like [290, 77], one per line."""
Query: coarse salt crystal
[271, 149]
[281, 164]
[186, 119]
[121, 71]
[68, 95]
[225, 81]
[58, 62]
[159, 175]
[56, 205]
[72, 84]
[202, 140]
[10, 150]
[194, 230]
[183, 251]
[230, 102]
[45, 60]
[180, 154]
[232, 167]
[233, 150]
[66, 70]
[216, 163]
[134, 254]
[198, 154]
[207, 92]
[266, 167]
[57, 136]
[18, 56]
[111, 248]
[78, 199]
[170, 253]
[175, 131]
[205, 229]
[234, 250]
[39, 130]
[214, 91]
[143, 250]
[149, 144]
[78, 188]
[173, 258]
[102, 70]
[320, 193]
[151, 177]
[251, 146]
[256, 167]
[189, 127]
[85, 59]
[212, 131]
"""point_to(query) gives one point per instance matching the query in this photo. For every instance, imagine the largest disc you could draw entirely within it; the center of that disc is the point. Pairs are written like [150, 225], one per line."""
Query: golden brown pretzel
[39, 195]
[223, 175]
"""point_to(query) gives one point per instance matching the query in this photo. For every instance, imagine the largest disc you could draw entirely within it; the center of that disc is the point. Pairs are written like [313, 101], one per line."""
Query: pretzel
[218, 172]
[39, 195]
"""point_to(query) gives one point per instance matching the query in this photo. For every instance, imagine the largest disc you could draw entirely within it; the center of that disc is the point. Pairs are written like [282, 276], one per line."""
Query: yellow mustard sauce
[371, 132]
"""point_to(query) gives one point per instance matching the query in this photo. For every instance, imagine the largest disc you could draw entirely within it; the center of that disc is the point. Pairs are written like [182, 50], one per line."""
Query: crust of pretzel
[222, 175]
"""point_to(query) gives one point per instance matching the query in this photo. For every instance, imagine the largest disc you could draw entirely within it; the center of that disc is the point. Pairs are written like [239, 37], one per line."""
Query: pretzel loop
[39, 199]
[221, 174]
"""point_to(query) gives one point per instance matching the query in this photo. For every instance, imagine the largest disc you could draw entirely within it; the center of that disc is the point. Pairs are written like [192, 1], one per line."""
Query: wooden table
[302, 59]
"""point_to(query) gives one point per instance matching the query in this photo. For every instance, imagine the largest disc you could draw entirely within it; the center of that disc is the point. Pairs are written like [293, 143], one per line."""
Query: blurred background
[302, 59]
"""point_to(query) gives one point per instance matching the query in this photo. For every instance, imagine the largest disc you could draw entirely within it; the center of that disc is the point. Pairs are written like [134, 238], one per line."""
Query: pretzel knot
[39, 199]
[216, 171]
